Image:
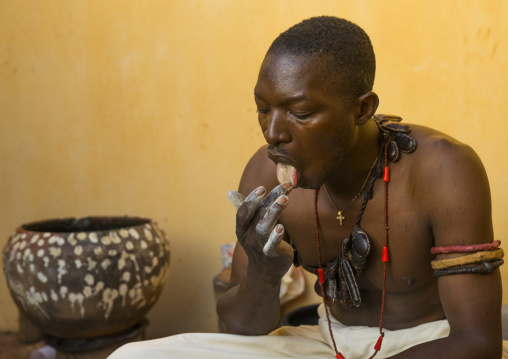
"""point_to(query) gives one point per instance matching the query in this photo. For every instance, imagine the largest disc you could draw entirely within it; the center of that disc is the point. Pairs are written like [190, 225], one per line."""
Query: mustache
[284, 151]
[279, 149]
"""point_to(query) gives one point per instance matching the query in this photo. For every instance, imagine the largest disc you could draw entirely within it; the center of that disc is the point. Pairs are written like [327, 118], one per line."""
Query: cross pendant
[340, 217]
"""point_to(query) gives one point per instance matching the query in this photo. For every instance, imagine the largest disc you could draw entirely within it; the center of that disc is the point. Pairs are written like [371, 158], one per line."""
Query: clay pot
[86, 278]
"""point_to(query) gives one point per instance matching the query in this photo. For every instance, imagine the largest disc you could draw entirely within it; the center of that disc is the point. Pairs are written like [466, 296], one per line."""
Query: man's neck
[355, 167]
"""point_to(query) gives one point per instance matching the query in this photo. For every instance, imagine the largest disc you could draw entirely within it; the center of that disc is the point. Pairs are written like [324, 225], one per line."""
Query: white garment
[305, 341]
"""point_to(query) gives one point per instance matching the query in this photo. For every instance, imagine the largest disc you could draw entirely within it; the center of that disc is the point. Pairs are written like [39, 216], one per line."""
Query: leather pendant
[360, 248]
[348, 280]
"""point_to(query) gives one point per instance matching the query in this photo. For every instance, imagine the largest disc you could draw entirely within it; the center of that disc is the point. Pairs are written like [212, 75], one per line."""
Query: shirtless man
[340, 214]
[315, 107]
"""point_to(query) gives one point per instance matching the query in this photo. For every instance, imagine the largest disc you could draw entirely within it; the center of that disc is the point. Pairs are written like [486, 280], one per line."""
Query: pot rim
[51, 225]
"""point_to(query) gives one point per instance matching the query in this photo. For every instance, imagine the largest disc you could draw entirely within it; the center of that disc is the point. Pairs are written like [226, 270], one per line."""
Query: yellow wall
[146, 108]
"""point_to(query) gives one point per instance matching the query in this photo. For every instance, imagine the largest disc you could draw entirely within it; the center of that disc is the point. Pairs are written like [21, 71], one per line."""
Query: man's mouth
[287, 173]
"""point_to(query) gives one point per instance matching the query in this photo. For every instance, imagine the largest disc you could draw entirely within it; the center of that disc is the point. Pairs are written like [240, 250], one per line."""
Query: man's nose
[277, 129]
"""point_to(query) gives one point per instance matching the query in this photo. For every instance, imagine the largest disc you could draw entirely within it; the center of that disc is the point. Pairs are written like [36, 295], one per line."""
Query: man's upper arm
[458, 204]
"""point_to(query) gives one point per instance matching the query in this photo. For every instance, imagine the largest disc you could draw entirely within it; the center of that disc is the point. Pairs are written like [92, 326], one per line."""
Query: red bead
[377, 347]
[386, 175]
[339, 356]
[321, 274]
[385, 257]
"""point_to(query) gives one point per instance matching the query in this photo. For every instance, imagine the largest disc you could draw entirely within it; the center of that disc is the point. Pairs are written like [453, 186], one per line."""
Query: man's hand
[258, 232]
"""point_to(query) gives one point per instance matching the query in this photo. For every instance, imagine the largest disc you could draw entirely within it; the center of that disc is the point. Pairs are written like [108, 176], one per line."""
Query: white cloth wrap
[354, 342]
[357, 342]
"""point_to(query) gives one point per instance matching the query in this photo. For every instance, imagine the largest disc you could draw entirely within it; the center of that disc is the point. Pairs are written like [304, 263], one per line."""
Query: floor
[11, 348]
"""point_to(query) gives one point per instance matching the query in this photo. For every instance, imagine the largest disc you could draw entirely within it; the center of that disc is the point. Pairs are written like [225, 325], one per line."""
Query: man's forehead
[291, 74]
[289, 64]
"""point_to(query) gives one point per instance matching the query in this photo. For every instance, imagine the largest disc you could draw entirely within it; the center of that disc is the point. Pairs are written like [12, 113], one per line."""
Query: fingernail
[260, 191]
[282, 200]
[287, 185]
[279, 228]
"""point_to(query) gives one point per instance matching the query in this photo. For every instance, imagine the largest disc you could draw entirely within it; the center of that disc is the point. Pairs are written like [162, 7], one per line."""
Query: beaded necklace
[390, 130]
[385, 259]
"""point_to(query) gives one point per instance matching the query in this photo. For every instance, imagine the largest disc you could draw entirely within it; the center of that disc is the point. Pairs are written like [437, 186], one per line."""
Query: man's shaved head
[345, 46]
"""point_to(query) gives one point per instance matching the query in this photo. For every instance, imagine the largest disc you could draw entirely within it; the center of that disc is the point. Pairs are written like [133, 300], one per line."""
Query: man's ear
[367, 103]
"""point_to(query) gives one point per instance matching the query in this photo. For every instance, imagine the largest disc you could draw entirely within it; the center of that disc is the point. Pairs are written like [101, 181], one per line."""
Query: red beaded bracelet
[463, 249]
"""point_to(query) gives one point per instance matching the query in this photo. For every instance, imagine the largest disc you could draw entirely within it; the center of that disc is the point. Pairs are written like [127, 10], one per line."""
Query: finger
[271, 248]
[282, 189]
[236, 198]
[247, 210]
[264, 226]
[253, 199]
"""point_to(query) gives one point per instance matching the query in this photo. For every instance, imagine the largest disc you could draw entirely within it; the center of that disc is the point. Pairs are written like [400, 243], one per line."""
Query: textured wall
[146, 108]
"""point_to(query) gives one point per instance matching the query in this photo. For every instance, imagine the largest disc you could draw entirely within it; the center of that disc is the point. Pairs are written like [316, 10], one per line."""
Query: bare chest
[409, 235]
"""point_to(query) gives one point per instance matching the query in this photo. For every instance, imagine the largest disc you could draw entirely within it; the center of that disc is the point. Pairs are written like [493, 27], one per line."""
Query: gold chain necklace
[340, 215]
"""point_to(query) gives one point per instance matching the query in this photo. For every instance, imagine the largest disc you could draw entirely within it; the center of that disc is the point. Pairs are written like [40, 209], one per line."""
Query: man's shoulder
[439, 153]
[450, 176]
[431, 139]
[442, 178]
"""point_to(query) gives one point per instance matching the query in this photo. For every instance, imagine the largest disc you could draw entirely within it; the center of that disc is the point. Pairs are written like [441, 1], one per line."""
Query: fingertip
[282, 200]
[260, 191]
[236, 198]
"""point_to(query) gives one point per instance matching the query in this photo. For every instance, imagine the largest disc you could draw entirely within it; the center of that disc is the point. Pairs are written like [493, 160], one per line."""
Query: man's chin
[306, 183]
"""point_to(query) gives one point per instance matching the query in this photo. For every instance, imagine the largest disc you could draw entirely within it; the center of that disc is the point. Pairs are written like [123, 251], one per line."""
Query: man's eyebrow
[295, 99]
[287, 100]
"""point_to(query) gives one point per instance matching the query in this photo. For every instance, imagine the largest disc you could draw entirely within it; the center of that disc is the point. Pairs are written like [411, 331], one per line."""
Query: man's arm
[251, 305]
[457, 200]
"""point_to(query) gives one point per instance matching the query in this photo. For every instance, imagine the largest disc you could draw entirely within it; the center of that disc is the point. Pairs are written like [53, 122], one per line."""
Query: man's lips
[280, 155]
[280, 159]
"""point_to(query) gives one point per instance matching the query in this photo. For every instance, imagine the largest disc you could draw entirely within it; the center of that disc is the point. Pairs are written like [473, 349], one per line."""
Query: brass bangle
[481, 268]
[477, 257]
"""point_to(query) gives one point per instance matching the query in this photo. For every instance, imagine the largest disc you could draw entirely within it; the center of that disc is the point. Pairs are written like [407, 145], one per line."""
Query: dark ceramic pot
[89, 277]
